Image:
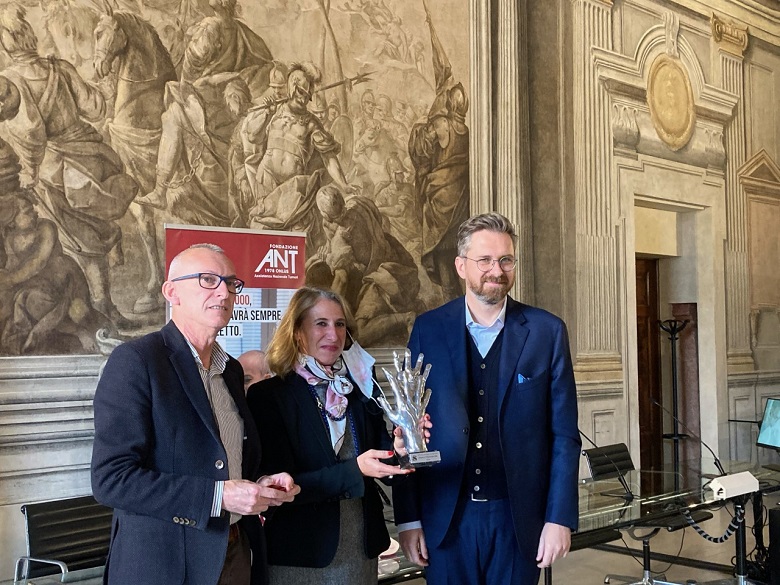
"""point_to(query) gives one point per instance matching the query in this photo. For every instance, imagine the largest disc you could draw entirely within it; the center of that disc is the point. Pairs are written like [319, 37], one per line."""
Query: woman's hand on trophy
[371, 465]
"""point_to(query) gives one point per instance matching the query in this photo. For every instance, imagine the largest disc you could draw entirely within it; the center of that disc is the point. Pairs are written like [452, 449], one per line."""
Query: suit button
[219, 464]
[192, 522]
[347, 495]
[176, 520]
[477, 471]
[480, 419]
[479, 445]
[465, 430]
[481, 392]
[481, 366]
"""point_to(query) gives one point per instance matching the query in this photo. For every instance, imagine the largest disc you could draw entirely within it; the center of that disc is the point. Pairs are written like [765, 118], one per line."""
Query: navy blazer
[156, 457]
[540, 443]
[305, 532]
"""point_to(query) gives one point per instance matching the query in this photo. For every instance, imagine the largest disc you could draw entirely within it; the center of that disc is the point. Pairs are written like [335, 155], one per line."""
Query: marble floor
[588, 567]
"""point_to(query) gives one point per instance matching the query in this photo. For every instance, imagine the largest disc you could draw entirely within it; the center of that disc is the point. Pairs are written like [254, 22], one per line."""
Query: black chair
[64, 536]
[614, 461]
[611, 461]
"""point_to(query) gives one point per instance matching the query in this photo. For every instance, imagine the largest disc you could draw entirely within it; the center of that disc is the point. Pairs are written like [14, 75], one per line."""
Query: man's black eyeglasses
[505, 263]
[211, 281]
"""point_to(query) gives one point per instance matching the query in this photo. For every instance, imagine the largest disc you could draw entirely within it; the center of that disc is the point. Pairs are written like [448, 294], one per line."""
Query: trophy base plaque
[419, 459]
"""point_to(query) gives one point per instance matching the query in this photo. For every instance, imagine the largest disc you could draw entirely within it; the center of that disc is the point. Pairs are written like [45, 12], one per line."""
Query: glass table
[664, 493]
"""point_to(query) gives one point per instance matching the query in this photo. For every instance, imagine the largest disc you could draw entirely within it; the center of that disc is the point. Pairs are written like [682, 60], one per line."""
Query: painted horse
[144, 67]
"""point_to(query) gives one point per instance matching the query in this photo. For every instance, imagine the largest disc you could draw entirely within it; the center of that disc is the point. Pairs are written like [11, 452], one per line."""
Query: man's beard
[493, 295]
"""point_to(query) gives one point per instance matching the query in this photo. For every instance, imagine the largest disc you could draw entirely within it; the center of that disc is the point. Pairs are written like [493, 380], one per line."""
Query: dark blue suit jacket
[540, 443]
[155, 460]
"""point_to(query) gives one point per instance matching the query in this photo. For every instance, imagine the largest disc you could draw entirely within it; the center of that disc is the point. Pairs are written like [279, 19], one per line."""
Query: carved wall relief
[670, 99]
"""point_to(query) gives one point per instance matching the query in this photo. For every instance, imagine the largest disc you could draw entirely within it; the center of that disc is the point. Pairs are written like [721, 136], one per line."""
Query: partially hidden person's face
[255, 368]
[323, 332]
[492, 286]
[198, 307]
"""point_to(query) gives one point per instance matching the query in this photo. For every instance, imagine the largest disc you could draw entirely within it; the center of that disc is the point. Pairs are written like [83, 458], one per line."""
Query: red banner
[263, 259]
[270, 263]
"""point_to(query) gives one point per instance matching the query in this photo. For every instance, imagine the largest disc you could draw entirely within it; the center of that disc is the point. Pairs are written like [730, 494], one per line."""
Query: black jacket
[155, 459]
[294, 438]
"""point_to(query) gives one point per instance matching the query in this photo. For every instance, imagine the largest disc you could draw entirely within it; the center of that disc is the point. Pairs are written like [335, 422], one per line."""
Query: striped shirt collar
[219, 358]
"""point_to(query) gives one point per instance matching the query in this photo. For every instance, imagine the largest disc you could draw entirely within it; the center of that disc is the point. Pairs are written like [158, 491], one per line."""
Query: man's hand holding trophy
[408, 412]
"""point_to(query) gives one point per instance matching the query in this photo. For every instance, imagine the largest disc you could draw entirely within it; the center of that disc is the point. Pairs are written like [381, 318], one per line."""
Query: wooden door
[648, 364]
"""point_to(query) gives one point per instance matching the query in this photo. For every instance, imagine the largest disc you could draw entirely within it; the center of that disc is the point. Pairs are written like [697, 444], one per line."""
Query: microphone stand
[628, 496]
[718, 464]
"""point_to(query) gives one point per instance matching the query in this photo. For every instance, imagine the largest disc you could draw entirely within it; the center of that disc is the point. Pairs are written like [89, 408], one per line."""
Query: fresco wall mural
[345, 119]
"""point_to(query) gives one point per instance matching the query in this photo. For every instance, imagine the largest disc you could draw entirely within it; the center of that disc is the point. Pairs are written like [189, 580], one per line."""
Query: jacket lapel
[515, 336]
[311, 419]
[454, 331]
[187, 370]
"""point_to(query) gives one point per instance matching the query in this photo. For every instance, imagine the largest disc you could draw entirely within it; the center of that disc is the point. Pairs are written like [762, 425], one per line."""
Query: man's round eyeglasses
[211, 281]
[505, 263]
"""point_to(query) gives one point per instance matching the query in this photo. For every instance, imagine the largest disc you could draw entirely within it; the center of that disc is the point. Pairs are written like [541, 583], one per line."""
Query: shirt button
[480, 419]
[481, 392]
[479, 445]
[478, 471]
[219, 464]
[481, 366]
[476, 488]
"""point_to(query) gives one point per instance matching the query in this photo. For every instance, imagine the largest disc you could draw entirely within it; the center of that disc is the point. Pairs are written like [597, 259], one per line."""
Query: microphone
[694, 435]
[628, 496]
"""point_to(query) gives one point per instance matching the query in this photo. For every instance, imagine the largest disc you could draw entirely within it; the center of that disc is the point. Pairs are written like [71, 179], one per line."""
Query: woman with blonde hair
[318, 421]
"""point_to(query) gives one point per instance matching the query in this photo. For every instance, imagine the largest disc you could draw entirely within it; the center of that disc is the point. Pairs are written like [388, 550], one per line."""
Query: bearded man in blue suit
[503, 500]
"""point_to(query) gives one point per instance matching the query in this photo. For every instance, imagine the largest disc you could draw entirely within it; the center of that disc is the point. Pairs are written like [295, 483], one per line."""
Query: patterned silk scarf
[335, 407]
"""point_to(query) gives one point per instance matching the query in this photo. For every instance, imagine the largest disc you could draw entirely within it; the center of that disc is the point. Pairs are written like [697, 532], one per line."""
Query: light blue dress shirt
[484, 336]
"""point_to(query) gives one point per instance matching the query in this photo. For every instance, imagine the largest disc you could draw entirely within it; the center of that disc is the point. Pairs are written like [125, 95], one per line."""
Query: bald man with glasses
[176, 453]
[503, 500]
